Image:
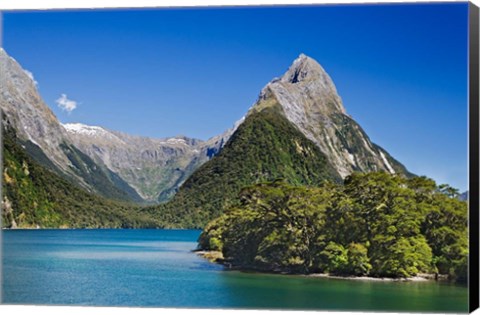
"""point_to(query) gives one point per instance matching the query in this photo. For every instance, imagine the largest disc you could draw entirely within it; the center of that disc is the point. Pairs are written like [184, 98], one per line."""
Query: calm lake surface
[157, 268]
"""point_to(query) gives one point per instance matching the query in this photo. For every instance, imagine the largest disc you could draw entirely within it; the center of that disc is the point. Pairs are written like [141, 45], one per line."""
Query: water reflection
[301, 292]
[157, 268]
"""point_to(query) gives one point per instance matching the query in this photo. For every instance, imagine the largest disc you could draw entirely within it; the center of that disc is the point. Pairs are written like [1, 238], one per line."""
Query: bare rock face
[310, 101]
[42, 136]
[150, 166]
[25, 110]
[155, 168]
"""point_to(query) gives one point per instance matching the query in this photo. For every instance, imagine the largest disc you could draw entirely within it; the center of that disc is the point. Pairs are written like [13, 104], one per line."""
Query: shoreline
[417, 278]
[217, 258]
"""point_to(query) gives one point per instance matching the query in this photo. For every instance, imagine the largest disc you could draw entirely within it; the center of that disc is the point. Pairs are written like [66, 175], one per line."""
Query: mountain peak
[302, 69]
[308, 98]
[305, 89]
[307, 78]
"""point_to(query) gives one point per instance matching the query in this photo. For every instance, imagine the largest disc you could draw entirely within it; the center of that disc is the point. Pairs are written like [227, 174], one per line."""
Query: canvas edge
[474, 157]
[474, 131]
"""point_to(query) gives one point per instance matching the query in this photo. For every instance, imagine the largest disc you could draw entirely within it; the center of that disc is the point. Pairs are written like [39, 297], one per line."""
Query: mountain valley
[297, 131]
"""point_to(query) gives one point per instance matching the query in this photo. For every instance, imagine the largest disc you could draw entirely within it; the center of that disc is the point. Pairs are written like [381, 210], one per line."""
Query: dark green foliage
[352, 137]
[34, 196]
[211, 238]
[265, 147]
[275, 227]
[333, 259]
[388, 217]
[105, 182]
[125, 191]
[375, 224]
[445, 228]
[38, 155]
[358, 261]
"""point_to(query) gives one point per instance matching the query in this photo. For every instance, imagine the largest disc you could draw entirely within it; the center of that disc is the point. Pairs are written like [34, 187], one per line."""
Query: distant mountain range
[298, 131]
[463, 196]
[154, 168]
[112, 164]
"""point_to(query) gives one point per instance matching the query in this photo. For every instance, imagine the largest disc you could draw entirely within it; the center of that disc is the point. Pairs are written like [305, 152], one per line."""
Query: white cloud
[30, 75]
[65, 104]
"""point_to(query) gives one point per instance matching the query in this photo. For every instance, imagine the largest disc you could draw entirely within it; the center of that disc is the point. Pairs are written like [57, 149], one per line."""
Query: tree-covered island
[375, 224]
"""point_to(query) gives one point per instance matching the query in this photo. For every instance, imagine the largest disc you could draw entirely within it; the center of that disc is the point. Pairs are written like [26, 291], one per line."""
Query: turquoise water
[157, 268]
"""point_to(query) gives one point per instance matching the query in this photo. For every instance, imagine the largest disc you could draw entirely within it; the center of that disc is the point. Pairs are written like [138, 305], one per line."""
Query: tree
[358, 261]
[211, 236]
[376, 224]
[334, 259]
[388, 218]
[445, 228]
[403, 257]
[276, 227]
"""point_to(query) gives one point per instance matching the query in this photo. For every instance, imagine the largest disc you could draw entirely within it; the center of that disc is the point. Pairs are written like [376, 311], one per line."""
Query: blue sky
[401, 70]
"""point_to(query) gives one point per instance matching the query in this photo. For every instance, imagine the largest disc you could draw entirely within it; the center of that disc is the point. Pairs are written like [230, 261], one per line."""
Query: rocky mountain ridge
[152, 170]
[297, 131]
[28, 114]
[110, 163]
[155, 168]
[310, 101]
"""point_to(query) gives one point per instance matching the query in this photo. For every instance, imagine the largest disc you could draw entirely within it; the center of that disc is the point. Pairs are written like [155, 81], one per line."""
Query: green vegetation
[375, 224]
[106, 183]
[35, 196]
[269, 201]
[266, 146]
[352, 137]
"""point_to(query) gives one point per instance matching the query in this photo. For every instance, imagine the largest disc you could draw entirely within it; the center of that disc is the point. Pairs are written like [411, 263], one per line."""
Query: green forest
[308, 221]
[375, 224]
[34, 196]
[266, 146]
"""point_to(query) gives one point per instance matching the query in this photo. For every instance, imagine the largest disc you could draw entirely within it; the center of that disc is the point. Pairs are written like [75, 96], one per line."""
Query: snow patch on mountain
[91, 131]
[83, 129]
[176, 141]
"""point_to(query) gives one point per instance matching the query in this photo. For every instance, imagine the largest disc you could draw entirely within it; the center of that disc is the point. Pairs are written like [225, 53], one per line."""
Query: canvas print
[271, 157]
